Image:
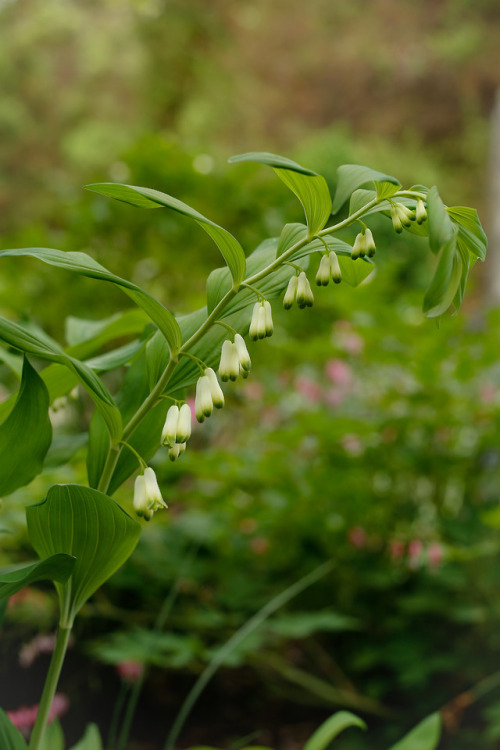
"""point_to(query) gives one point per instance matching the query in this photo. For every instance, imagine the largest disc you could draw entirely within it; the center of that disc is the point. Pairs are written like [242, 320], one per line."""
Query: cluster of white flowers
[147, 495]
[234, 360]
[299, 291]
[364, 244]
[401, 216]
[329, 268]
[177, 430]
[261, 324]
[208, 395]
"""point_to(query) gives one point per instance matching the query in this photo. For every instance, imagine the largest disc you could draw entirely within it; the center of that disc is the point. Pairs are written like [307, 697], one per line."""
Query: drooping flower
[335, 271]
[401, 216]
[369, 243]
[169, 432]
[268, 318]
[261, 324]
[147, 495]
[359, 247]
[420, 212]
[291, 292]
[305, 297]
[229, 369]
[184, 424]
[324, 271]
[216, 393]
[243, 355]
[203, 402]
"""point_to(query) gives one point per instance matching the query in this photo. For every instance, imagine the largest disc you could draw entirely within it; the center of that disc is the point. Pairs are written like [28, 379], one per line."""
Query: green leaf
[229, 246]
[57, 567]
[445, 282]
[97, 333]
[310, 188]
[353, 176]
[53, 737]
[10, 737]
[290, 235]
[88, 525]
[84, 265]
[441, 229]
[331, 728]
[386, 189]
[91, 740]
[425, 736]
[26, 434]
[470, 232]
[20, 338]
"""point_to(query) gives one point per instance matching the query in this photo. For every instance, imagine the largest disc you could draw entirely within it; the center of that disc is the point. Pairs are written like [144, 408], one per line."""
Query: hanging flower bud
[261, 323]
[226, 356]
[215, 389]
[305, 297]
[335, 268]
[147, 495]
[169, 432]
[203, 404]
[396, 220]
[369, 243]
[254, 323]
[359, 247]
[268, 318]
[291, 292]
[243, 355]
[175, 451]
[184, 424]
[402, 216]
[324, 272]
[421, 212]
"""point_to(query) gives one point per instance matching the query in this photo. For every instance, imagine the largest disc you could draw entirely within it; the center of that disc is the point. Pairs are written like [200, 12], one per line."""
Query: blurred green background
[365, 433]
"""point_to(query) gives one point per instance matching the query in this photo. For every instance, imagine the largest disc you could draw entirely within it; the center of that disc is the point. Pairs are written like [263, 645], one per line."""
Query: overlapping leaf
[350, 177]
[229, 246]
[10, 737]
[88, 525]
[310, 188]
[331, 728]
[26, 434]
[54, 568]
[84, 265]
[425, 736]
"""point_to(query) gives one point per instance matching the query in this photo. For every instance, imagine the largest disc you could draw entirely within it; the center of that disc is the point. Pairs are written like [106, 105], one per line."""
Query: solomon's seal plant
[79, 532]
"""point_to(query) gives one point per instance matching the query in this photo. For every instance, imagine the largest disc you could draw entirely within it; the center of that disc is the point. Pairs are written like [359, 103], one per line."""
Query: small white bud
[261, 323]
[291, 292]
[169, 432]
[243, 355]
[269, 318]
[324, 272]
[369, 243]
[305, 297]
[140, 499]
[184, 424]
[406, 216]
[225, 361]
[421, 212]
[175, 451]
[359, 247]
[396, 220]
[215, 389]
[203, 404]
[254, 323]
[335, 268]
[147, 495]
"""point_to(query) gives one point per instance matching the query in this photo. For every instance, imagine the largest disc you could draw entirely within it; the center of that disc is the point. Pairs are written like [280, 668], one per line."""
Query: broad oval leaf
[88, 525]
[91, 740]
[20, 338]
[310, 188]
[229, 246]
[331, 728]
[425, 736]
[26, 434]
[10, 737]
[84, 265]
[53, 737]
[470, 232]
[350, 177]
[445, 281]
[54, 568]
[290, 235]
[441, 229]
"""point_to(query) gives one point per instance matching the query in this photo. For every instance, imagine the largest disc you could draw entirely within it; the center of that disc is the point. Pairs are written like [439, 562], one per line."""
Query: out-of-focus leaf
[10, 737]
[26, 434]
[229, 246]
[54, 568]
[470, 232]
[91, 740]
[350, 177]
[303, 624]
[445, 281]
[310, 188]
[53, 737]
[441, 229]
[425, 736]
[331, 728]
[85, 524]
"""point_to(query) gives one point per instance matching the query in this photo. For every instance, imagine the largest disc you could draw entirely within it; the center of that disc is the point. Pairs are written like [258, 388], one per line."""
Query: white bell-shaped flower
[215, 389]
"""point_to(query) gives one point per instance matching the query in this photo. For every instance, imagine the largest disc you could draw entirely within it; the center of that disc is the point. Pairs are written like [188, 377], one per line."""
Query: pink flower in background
[308, 388]
[254, 391]
[415, 549]
[397, 549]
[357, 537]
[41, 644]
[344, 337]
[434, 555]
[338, 372]
[352, 445]
[130, 671]
[23, 718]
[488, 393]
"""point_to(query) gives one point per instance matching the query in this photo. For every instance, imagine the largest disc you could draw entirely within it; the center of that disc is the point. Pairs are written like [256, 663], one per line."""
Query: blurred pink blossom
[308, 388]
[41, 644]
[130, 671]
[23, 718]
[415, 549]
[357, 537]
[352, 444]
[434, 555]
[487, 393]
[344, 337]
[339, 372]
[254, 391]
[397, 549]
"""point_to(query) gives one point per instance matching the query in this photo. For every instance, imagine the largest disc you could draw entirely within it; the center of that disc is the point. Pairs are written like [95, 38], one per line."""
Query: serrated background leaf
[88, 525]
[26, 434]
